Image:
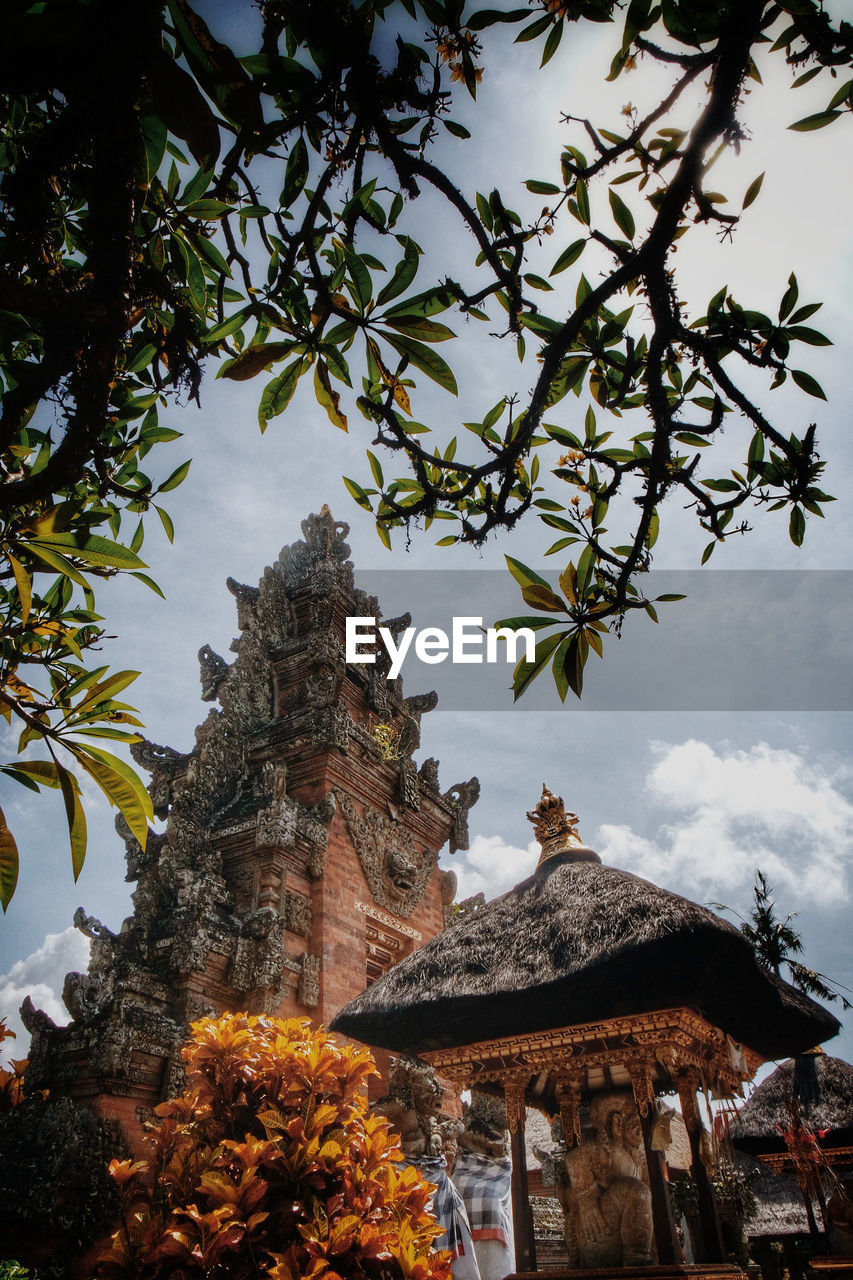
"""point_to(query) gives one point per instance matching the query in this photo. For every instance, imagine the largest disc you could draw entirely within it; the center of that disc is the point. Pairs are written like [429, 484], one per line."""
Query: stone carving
[485, 1130]
[258, 954]
[428, 775]
[412, 1105]
[214, 670]
[136, 857]
[165, 765]
[463, 796]
[394, 870]
[246, 597]
[308, 990]
[276, 826]
[83, 996]
[410, 792]
[297, 913]
[420, 703]
[448, 883]
[604, 1188]
[39, 1025]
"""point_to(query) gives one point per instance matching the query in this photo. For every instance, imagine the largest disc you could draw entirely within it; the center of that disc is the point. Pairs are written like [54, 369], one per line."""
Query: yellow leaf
[25, 587]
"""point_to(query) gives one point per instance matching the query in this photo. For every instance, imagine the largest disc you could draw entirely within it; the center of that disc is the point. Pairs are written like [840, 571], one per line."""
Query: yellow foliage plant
[269, 1165]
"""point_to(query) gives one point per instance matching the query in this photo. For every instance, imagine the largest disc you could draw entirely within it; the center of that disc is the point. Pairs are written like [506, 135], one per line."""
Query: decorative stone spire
[557, 831]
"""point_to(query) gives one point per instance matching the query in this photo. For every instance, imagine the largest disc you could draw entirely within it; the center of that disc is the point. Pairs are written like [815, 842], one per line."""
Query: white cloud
[735, 810]
[491, 866]
[41, 976]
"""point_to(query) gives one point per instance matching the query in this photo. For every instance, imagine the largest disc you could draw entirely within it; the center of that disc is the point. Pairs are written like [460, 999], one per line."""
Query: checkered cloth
[486, 1188]
[447, 1206]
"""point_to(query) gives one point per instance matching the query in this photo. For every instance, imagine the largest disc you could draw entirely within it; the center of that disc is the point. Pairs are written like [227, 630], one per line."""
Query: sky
[712, 745]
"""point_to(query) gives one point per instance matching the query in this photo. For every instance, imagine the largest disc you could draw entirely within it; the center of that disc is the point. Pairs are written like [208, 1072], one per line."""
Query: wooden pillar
[709, 1216]
[666, 1233]
[522, 1213]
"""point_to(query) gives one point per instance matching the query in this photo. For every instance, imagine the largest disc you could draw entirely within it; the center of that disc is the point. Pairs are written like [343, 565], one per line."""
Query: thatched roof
[778, 1204]
[823, 1086]
[577, 942]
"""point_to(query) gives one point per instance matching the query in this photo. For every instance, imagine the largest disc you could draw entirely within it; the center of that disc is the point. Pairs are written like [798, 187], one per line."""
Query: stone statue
[604, 1188]
[412, 1105]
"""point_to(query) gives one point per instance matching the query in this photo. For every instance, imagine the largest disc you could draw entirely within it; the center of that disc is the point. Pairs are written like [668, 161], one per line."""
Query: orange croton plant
[269, 1164]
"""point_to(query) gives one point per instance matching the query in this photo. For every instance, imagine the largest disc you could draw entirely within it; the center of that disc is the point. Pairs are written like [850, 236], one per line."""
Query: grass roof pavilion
[583, 978]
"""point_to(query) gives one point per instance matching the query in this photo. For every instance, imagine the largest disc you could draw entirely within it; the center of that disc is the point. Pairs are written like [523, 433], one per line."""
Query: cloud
[490, 866]
[735, 810]
[41, 975]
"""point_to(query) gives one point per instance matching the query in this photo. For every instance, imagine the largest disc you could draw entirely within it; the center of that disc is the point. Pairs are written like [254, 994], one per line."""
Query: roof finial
[557, 831]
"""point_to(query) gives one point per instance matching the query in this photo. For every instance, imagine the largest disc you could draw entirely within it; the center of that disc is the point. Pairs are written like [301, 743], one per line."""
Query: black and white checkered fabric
[447, 1206]
[486, 1187]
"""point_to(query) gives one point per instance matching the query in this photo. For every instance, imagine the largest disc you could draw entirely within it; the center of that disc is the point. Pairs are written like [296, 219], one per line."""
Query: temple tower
[298, 856]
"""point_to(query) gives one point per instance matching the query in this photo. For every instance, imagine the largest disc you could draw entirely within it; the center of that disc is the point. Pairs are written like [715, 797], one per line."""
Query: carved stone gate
[297, 856]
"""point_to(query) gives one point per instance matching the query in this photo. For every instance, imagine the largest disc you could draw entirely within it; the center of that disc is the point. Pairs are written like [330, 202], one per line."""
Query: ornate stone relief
[297, 913]
[213, 671]
[395, 871]
[308, 990]
[462, 796]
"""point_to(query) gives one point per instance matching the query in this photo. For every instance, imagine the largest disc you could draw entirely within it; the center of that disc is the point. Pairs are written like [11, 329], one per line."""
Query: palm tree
[776, 943]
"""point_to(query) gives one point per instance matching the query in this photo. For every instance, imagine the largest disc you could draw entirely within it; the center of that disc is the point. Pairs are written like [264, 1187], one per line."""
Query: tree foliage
[270, 1165]
[776, 943]
[166, 202]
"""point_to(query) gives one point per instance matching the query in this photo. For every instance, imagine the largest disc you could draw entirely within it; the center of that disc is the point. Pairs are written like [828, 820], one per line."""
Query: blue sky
[690, 796]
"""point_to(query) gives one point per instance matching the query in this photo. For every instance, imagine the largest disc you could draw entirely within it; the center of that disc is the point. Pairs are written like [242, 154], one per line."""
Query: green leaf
[807, 383]
[582, 197]
[797, 526]
[60, 563]
[542, 188]
[813, 337]
[524, 576]
[149, 582]
[419, 328]
[425, 359]
[552, 43]
[752, 191]
[8, 863]
[817, 121]
[278, 393]
[789, 298]
[91, 548]
[356, 491]
[568, 256]
[176, 478]
[622, 215]
[166, 521]
[525, 671]
[404, 273]
[360, 276]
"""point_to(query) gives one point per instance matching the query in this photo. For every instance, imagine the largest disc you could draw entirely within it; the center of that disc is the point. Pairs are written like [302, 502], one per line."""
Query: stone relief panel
[395, 871]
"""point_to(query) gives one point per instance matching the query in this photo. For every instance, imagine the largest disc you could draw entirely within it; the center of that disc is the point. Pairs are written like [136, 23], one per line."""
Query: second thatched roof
[823, 1089]
[577, 942]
